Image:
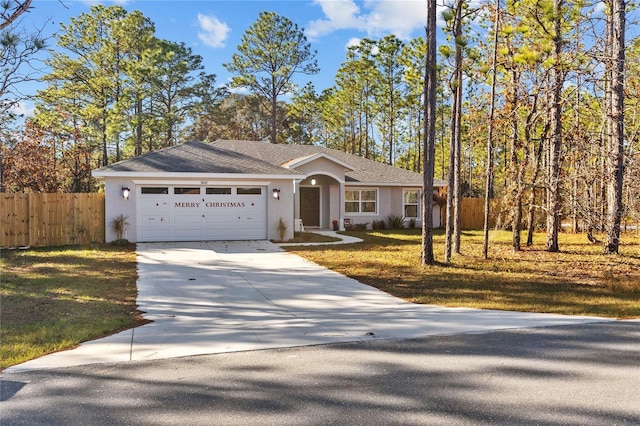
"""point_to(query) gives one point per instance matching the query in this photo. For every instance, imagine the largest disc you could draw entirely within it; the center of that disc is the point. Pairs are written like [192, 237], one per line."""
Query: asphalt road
[582, 374]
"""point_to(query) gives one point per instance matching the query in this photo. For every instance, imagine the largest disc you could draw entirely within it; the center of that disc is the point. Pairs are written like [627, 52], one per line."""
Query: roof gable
[301, 161]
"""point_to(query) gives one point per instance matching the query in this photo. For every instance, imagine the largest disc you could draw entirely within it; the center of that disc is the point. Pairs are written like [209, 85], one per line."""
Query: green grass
[55, 298]
[579, 280]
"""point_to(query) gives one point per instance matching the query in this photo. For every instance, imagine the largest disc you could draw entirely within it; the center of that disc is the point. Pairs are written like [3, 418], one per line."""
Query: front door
[310, 206]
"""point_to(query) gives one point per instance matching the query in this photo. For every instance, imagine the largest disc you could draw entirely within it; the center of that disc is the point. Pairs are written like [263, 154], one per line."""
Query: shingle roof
[254, 157]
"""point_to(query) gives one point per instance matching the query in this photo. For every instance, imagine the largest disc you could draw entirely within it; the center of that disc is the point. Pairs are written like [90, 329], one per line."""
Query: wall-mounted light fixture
[125, 192]
[313, 181]
[276, 194]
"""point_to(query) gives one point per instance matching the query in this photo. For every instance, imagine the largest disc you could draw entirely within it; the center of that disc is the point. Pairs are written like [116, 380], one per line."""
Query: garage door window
[154, 190]
[249, 191]
[218, 191]
[186, 191]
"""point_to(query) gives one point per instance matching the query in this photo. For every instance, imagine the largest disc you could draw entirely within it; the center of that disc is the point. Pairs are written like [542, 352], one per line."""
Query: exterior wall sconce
[276, 194]
[313, 181]
[125, 192]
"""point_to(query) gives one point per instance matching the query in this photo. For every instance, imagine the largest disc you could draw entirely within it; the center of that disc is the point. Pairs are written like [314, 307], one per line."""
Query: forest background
[113, 90]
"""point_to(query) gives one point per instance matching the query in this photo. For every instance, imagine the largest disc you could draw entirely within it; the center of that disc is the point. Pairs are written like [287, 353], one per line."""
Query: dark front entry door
[310, 206]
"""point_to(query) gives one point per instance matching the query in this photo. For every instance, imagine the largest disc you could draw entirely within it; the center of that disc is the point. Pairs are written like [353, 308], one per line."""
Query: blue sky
[213, 28]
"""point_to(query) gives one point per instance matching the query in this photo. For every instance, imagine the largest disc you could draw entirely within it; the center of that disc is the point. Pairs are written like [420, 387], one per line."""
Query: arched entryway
[320, 201]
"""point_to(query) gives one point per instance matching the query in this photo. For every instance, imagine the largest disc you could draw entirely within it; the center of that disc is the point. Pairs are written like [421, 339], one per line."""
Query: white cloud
[376, 18]
[237, 90]
[355, 41]
[213, 32]
[21, 109]
[340, 14]
[399, 17]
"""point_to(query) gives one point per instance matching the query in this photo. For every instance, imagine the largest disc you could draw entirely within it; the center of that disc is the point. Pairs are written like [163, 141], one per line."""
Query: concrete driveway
[214, 297]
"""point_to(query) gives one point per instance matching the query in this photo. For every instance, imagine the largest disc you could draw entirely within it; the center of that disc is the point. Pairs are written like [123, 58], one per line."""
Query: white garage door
[192, 213]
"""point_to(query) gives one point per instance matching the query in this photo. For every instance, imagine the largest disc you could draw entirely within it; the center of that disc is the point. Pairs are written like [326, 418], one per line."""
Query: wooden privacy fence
[472, 213]
[51, 219]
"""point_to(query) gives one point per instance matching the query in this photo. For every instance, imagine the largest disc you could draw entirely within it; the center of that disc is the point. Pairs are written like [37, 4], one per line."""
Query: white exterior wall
[391, 202]
[282, 208]
[334, 209]
[386, 205]
[115, 204]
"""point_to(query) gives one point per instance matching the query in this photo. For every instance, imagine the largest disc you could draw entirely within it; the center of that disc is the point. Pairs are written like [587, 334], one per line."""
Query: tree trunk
[516, 192]
[532, 198]
[274, 117]
[105, 156]
[492, 109]
[515, 168]
[452, 233]
[554, 206]
[139, 126]
[615, 169]
[457, 179]
[426, 253]
[450, 195]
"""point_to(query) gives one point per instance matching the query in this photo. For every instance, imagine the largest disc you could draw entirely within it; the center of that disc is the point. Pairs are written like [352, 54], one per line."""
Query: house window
[361, 201]
[186, 191]
[411, 200]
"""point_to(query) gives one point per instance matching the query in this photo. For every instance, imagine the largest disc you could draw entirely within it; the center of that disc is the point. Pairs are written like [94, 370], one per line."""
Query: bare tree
[10, 11]
[17, 50]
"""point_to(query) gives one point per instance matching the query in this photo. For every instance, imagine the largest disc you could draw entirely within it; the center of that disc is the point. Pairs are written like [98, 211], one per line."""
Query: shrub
[412, 222]
[378, 224]
[357, 227]
[396, 221]
[118, 225]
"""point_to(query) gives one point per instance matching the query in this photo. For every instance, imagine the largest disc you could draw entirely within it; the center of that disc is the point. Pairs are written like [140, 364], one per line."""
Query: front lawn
[579, 280]
[55, 298]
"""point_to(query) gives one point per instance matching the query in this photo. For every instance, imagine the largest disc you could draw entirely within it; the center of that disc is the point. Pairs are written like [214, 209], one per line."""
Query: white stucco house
[241, 190]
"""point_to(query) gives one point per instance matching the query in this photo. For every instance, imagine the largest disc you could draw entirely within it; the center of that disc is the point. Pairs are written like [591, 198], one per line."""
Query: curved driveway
[214, 297]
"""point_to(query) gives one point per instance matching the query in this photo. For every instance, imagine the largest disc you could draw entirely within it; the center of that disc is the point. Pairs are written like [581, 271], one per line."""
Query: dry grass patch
[55, 298]
[311, 237]
[579, 280]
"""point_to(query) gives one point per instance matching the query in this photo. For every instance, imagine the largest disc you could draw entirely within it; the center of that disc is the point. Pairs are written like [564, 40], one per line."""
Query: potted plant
[335, 225]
